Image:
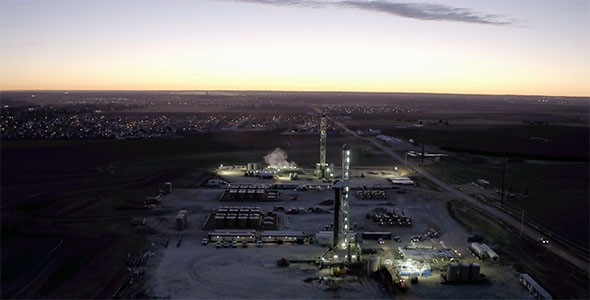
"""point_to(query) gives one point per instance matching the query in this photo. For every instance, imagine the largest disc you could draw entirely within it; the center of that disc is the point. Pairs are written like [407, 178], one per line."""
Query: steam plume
[278, 159]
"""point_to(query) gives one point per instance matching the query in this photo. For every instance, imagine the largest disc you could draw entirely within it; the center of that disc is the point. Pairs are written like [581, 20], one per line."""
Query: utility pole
[521, 222]
[503, 175]
[422, 156]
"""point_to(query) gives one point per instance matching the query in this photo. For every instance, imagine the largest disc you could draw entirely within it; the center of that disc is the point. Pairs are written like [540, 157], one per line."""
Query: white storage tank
[373, 264]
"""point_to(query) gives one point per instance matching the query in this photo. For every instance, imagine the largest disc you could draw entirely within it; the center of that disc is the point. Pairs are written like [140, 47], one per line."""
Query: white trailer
[478, 250]
[491, 253]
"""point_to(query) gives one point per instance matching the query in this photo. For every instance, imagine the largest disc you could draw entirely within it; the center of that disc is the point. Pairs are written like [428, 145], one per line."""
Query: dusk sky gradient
[458, 46]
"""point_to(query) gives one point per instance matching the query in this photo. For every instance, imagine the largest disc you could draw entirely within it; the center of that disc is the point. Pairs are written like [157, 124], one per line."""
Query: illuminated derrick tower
[323, 170]
[341, 220]
[323, 139]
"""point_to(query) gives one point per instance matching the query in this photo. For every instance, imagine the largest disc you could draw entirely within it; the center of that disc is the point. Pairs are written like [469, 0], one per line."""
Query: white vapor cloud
[278, 159]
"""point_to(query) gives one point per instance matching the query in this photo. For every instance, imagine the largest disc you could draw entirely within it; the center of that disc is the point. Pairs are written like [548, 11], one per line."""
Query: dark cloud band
[420, 11]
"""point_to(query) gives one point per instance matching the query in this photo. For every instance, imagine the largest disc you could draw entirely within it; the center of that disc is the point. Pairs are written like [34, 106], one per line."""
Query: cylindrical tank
[372, 264]
[180, 222]
[230, 221]
[465, 270]
[219, 221]
[452, 272]
[268, 224]
[474, 275]
[184, 212]
[269, 219]
[253, 221]
[243, 221]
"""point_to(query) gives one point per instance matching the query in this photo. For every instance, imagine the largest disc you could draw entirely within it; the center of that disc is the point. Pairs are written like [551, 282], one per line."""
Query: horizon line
[284, 91]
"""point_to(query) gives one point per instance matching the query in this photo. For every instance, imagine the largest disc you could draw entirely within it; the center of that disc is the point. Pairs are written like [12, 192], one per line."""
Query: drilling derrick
[341, 219]
[323, 170]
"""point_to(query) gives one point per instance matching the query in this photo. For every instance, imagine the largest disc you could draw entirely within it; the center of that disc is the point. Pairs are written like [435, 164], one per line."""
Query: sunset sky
[491, 47]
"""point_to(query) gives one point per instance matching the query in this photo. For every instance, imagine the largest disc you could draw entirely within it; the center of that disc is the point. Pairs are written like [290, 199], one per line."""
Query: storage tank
[372, 264]
[230, 221]
[452, 272]
[254, 221]
[219, 221]
[268, 224]
[474, 275]
[180, 222]
[184, 212]
[465, 270]
[243, 221]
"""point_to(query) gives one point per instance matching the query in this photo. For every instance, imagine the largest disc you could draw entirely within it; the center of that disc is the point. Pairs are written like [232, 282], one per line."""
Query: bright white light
[395, 168]
[335, 256]
[221, 165]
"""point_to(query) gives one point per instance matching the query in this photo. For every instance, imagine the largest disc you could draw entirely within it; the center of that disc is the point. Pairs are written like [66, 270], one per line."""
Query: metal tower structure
[323, 138]
[323, 170]
[341, 221]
